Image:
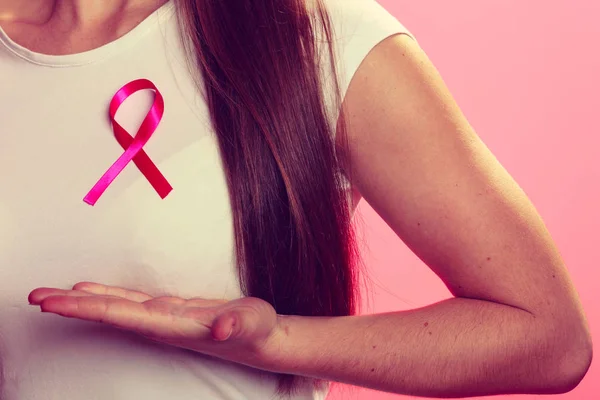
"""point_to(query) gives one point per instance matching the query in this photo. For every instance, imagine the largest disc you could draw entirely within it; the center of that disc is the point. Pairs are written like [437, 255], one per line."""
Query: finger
[140, 297]
[223, 327]
[200, 302]
[193, 302]
[244, 319]
[134, 295]
[110, 310]
[97, 288]
[152, 319]
[171, 300]
[41, 294]
[37, 295]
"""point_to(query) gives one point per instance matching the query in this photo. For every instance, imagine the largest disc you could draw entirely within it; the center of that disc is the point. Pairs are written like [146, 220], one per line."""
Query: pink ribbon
[134, 146]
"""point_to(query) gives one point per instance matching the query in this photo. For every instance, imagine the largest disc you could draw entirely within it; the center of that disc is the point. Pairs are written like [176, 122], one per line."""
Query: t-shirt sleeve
[358, 26]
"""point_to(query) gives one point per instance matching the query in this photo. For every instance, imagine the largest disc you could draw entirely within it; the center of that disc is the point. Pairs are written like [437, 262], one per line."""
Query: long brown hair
[259, 62]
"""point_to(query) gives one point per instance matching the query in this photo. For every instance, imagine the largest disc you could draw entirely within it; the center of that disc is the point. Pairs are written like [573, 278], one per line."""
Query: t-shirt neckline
[90, 56]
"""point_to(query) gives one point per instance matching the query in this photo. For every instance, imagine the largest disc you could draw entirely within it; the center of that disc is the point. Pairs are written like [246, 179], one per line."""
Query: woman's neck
[31, 11]
[60, 27]
[77, 14]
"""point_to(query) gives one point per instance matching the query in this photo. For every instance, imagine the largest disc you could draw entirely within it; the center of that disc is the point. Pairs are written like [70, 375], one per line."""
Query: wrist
[271, 352]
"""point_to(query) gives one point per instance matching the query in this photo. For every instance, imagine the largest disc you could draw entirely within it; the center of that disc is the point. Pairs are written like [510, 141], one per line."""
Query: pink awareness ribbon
[134, 146]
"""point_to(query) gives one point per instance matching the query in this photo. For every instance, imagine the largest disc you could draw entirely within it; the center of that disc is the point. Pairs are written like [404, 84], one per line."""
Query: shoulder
[349, 16]
[357, 27]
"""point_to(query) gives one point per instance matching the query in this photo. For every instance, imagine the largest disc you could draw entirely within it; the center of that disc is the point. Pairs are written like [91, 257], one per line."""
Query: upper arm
[419, 163]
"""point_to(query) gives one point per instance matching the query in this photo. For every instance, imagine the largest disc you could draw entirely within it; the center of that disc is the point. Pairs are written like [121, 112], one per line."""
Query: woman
[221, 228]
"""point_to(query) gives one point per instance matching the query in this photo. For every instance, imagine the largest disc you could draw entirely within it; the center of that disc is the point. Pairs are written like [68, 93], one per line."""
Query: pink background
[526, 76]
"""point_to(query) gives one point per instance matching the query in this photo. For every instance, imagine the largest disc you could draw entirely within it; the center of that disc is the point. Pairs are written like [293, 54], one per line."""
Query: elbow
[579, 370]
[573, 365]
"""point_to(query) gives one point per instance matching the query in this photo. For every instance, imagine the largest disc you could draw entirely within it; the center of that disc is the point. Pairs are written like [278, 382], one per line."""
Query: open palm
[235, 330]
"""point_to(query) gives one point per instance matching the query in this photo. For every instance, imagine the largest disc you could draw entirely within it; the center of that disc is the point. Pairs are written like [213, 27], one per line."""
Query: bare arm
[455, 348]
[515, 325]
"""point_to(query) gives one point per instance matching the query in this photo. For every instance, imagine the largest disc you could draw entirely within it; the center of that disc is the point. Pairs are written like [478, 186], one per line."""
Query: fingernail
[229, 334]
[226, 337]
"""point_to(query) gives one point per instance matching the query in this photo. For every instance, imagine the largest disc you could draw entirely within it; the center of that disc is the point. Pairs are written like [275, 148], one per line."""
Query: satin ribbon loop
[133, 146]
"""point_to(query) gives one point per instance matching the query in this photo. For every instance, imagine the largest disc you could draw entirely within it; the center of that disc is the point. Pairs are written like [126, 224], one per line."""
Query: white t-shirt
[55, 143]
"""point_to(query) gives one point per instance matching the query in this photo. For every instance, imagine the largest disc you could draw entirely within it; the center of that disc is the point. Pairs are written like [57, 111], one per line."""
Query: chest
[56, 144]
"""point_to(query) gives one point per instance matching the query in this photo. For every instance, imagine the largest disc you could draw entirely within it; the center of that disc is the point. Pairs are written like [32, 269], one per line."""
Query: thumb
[249, 319]
[226, 326]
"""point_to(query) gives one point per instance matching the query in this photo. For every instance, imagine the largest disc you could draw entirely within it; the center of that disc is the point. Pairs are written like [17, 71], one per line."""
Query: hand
[235, 330]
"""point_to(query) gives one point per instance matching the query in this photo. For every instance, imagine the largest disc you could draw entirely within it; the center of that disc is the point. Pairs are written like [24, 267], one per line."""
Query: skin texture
[71, 26]
[515, 324]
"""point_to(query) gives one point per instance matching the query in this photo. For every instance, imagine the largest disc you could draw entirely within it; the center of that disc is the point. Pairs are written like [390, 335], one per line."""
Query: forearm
[454, 348]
